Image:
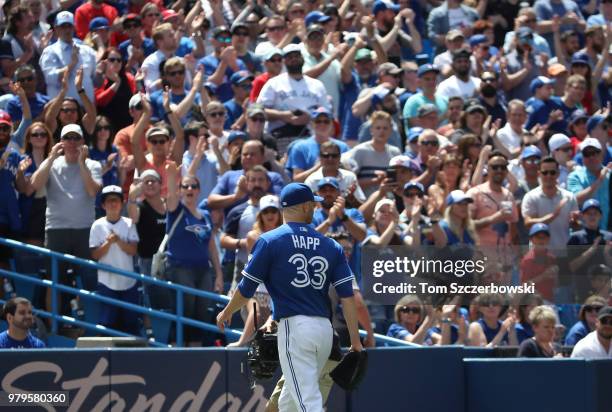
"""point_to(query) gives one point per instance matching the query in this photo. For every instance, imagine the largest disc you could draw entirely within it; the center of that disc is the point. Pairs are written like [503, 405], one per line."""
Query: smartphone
[391, 174]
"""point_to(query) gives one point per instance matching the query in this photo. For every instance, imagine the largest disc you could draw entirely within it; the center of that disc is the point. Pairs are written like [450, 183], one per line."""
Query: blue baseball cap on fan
[329, 181]
[589, 204]
[316, 17]
[530, 151]
[457, 196]
[539, 228]
[382, 5]
[297, 193]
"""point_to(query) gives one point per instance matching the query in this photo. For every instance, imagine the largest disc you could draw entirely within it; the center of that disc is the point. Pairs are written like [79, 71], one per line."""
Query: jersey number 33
[309, 271]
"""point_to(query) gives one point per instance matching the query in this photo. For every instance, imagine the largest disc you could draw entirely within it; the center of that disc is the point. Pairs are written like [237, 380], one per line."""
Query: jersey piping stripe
[346, 279]
[253, 278]
[292, 372]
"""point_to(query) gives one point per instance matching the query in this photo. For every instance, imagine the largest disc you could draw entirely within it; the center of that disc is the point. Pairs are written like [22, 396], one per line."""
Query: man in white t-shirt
[597, 344]
[289, 98]
[113, 241]
[460, 83]
[511, 135]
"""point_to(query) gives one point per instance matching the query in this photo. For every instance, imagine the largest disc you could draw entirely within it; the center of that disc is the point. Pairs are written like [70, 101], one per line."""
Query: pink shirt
[486, 203]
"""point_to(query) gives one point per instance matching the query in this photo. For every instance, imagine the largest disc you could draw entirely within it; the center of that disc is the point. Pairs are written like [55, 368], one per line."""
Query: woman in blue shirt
[588, 317]
[103, 151]
[523, 327]
[489, 331]
[191, 248]
[412, 324]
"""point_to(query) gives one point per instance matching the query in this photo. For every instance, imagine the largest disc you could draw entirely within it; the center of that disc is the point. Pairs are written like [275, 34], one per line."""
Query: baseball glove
[351, 370]
[262, 356]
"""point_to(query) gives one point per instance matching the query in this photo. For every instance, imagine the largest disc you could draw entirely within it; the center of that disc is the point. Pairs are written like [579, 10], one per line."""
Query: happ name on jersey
[305, 242]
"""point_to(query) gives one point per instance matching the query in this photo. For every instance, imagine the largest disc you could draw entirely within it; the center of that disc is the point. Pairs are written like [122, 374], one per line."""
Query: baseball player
[297, 264]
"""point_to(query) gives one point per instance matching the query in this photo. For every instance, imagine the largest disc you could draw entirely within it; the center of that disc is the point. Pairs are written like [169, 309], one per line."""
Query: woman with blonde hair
[452, 176]
[412, 324]
[541, 345]
[268, 218]
[457, 226]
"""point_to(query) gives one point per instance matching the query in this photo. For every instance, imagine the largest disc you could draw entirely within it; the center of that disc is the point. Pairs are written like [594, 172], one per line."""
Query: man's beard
[598, 47]
[294, 68]
[327, 205]
[258, 192]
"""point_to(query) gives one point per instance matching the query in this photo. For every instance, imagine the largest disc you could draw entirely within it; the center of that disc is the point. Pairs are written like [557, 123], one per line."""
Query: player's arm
[236, 302]
[349, 309]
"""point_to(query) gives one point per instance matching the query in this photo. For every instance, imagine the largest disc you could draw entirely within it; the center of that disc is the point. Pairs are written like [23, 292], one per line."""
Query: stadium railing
[180, 290]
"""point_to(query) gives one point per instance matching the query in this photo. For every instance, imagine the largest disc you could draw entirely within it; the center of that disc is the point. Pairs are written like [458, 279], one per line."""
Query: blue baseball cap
[321, 111]
[98, 23]
[525, 35]
[580, 58]
[414, 185]
[297, 193]
[426, 68]
[457, 196]
[211, 87]
[382, 5]
[379, 95]
[539, 82]
[241, 76]
[414, 133]
[578, 114]
[329, 181]
[111, 190]
[477, 39]
[316, 17]
[530, 151]
[539, 228]
[236, 134]
[594, 121]
[589, 204]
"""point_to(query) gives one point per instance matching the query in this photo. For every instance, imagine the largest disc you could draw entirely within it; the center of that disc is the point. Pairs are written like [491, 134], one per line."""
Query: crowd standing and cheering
[424, 122]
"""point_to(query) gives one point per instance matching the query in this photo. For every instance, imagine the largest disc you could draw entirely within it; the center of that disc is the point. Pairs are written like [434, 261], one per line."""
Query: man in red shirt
[273, 62]
[87, 11]
[539, 266]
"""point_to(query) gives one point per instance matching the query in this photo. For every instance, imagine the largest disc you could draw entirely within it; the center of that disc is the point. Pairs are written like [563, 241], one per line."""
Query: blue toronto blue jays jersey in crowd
[297, 264]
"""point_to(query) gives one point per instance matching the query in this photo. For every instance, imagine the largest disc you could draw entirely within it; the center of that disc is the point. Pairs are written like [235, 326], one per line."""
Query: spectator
[384, 100]
[150, 16]
[191, 249]
[452, 176]
[113, 241]
[72, 181]
[98, 37]
[461, 83]
[60, 60]
[240, 42]
[575, 88]
[103, 151]
[510, 136]
[88, 11]
[289, 97]
[19, 34]
[489, 330]
[454, 112]
[539, 266]
[428, 75]
[599, 279]
[158, 142]
[371, 158]
[26, 77]
[457, 226]
[592, 180]
[453, 40]
[242, 83]
[189, 43]
[412, 324]
[604, 15]
[491, 97]
[118, 87]
[566, 44]
[415, 210]
[450, 15]
[137, 46]
[203, 159]
[587, 320]
[527, 303]
[241, 218]
[397, 33]
[551, 205]
[18, 314]
[231, 187]
[541, 345]
[166, 44]
[521, 67]
[596, 344]
[560, 147]
[547, 9]
[64, 110]
[596, 128]
[277, 35]
[386, 229]
[329, 159]
[33, 203]
[541, 108]
[273, 65]
[303, 154]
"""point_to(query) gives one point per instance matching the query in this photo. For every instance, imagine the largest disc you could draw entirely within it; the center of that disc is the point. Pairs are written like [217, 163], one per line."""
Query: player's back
[302, 263]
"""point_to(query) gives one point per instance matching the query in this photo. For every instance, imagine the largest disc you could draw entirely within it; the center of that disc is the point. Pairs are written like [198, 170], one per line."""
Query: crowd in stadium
[423, 122]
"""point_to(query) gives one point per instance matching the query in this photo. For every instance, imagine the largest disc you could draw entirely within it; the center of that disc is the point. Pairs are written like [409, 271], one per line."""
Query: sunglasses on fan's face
[408, 309]
[193, 186]
[330, 155]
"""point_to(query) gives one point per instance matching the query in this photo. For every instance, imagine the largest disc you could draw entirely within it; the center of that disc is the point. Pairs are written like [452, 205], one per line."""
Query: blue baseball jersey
[297, 264]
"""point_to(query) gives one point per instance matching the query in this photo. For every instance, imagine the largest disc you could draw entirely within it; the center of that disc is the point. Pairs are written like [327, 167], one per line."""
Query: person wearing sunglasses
[592, 179]
[242, 84]
[166, 43]
[240, 41]
[597, 127]
[277, 36]
[222, 63]
[560, 147]
[137, 46]
[116, 90]
[27, 78]
[329, 159]
[577, 128]
[587, 318]
[303, 154]
[102, 150]
[596, 345]
[273, 66]
[192, 256]
[539, 266]
[412, 323]
[550, 204]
